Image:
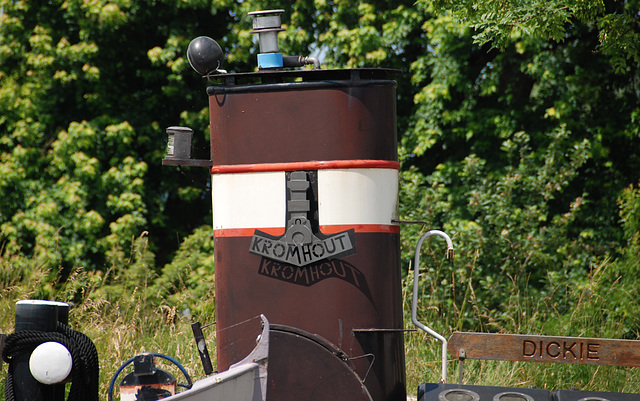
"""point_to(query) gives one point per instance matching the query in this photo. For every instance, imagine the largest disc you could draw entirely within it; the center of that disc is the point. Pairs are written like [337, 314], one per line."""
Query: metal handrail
[414, 303]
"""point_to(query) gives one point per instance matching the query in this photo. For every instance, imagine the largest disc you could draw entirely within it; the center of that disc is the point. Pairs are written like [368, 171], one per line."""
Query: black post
[36, 315]
[201, 345]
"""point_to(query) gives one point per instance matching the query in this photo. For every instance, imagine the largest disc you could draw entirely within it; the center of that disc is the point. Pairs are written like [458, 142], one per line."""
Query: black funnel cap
[205, 55]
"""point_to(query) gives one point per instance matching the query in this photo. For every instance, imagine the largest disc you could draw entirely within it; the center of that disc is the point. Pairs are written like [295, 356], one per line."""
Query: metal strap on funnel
[414, 303]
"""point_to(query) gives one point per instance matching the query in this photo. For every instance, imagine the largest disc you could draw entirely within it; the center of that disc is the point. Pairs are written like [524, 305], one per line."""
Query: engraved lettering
[287, 272]
[338, 268]
[592, 351]
[279, 250]
[275, 268]
[528, 344]
[302, 254]
[306, 253]
[266, 248]
[318, 250]
[293, 254]
[255, 244]
[554, 354]
[301, 273]
[326, 269]
[264, 267]
[330, 241]
[568, 350]
[315, 275]
[355, 275]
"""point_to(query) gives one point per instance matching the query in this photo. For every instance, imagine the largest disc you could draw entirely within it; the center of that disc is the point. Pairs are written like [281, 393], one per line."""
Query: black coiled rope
[85, 369]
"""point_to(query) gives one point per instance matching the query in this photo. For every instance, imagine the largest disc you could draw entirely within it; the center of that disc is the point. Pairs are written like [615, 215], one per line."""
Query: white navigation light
[50, 363]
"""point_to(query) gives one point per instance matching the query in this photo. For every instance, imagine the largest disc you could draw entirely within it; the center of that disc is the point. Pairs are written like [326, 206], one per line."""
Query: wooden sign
[531, 348]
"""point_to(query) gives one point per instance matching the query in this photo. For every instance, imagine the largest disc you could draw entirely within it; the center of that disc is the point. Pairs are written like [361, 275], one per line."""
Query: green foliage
[517, 154]
[130, 271]
[503, 231]
[503, 23]
[189, 279]
[629, 202]
[518, 135]
[181, 285]
[603, 303]
[120, 323]
[83, 117]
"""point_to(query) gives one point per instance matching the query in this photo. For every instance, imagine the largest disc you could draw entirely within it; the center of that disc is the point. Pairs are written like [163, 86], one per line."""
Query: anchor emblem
[301, 245]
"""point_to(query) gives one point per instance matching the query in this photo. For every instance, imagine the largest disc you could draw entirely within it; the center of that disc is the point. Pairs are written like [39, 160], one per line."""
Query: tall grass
[593, 305]
[124, 320]
[121, 324]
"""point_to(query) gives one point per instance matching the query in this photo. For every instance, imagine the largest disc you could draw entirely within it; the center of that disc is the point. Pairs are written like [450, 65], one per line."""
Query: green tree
[502, 24]
[553, 128]
[86, 91]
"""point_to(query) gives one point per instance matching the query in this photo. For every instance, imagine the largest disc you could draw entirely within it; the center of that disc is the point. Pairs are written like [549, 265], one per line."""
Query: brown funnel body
[304, 182]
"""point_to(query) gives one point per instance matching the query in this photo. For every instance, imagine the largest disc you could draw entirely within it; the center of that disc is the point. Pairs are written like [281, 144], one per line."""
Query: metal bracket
[462, 355]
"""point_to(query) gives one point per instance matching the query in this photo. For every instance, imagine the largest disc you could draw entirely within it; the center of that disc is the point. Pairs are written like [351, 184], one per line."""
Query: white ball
[50, 363]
